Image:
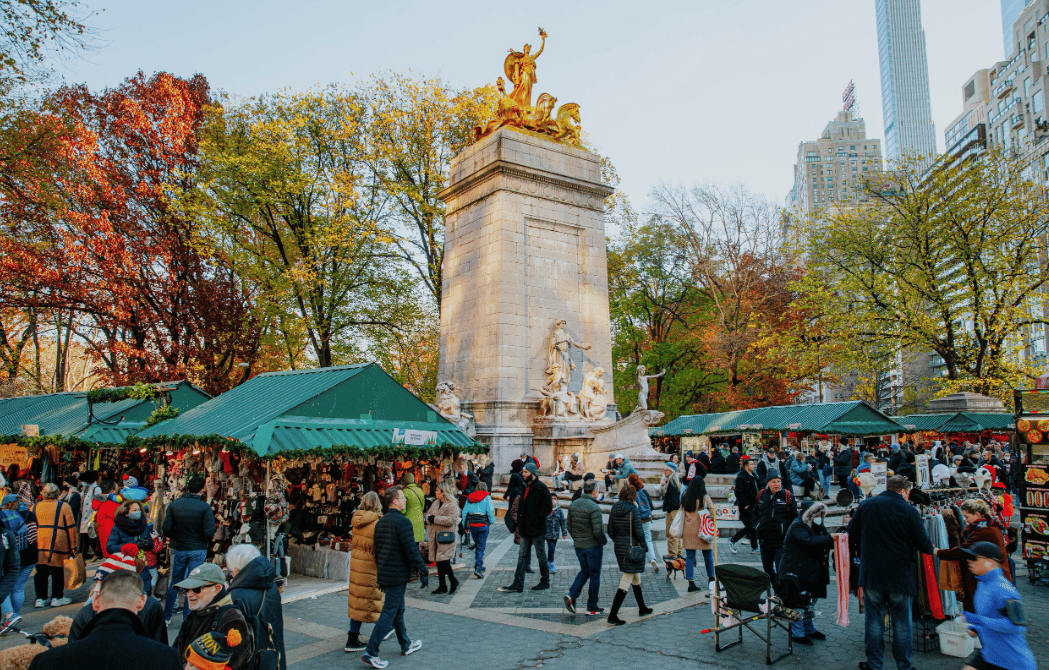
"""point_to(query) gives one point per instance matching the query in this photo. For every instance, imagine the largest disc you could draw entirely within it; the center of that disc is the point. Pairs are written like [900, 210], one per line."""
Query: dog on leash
[674, 565]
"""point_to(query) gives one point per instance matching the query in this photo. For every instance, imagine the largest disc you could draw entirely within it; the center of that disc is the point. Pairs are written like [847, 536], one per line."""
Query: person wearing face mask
[804, 570]
[131, 527]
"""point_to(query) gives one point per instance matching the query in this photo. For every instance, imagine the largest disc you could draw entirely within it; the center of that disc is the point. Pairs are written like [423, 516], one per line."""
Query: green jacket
[415, 502]
[585, 523]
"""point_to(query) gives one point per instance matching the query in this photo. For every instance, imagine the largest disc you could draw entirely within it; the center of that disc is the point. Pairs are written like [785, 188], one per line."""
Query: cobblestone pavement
[480, 628]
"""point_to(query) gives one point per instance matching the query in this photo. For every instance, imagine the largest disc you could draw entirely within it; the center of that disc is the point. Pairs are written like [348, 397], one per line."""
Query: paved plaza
[478, 627]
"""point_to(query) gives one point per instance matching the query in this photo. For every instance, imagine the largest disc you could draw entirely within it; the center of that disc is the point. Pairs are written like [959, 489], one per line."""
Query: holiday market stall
[288, 455]
[974, 427]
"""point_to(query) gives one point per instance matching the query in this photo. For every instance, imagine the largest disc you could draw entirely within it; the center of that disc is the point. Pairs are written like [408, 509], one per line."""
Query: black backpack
[264, 649]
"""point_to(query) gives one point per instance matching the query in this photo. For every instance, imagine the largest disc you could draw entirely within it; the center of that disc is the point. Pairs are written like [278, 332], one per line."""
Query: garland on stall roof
[139, 391]
[162, 414]
[390, 453]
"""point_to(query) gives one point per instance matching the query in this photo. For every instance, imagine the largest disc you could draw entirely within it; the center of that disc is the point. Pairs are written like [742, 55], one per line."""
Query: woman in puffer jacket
[365, 598]
[625, 531]
[131, 527]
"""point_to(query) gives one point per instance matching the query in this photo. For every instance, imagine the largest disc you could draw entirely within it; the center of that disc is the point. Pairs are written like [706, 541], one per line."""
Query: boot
[617, 602]
[442, 585]
[455, 584]
[692, 586]
[641, 609]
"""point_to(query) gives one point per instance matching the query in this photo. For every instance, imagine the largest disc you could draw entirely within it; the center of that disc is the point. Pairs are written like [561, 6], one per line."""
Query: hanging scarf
[972, 528]
[842, 562]
[132, 528]
[25, 492]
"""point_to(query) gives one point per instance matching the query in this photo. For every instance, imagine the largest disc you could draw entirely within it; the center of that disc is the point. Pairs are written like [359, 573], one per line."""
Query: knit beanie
[531, 468]
[212, 651]
[670, 465]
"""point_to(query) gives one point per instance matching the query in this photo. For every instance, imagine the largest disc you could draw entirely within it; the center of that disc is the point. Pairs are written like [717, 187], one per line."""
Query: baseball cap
[205, 574]
[985, 550]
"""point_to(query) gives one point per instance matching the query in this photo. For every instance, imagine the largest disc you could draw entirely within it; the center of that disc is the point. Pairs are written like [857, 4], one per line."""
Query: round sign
[1043, 425]
[1023, 425]
[1034, 436]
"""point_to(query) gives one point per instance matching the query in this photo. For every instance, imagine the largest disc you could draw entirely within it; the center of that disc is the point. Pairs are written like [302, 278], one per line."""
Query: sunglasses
[198, 589]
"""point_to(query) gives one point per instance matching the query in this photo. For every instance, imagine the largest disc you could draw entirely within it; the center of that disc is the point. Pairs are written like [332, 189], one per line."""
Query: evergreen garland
[140, 391]
[162, 414]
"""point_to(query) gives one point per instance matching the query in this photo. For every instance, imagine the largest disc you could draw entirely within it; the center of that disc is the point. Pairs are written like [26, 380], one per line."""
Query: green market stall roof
[349, 409]
[839, 418]
[958, 422]
[68, 413]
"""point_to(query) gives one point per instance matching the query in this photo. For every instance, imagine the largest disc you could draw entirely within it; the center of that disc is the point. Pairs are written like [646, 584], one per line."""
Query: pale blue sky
[680, 91]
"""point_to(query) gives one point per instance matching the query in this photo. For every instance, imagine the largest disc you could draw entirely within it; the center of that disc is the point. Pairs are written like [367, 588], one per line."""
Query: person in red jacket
[105, 514]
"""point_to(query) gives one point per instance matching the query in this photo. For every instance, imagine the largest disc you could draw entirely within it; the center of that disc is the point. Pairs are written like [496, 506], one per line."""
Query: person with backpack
[253, 588]
[479, 515]
[211, 609]
[776, 511]
[20, 521]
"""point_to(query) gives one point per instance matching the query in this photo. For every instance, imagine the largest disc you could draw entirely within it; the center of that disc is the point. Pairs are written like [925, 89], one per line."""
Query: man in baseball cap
[212, 609]
[999, 620]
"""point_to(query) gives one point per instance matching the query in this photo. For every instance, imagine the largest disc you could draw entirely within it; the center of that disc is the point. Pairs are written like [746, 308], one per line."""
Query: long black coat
[534, 508]
[843, 464]
[254, 590]
[396, 550]
[732, 463]
[114, 638]
[619, 529]
[888, 532]
[806, 551]
[746, 488]
[151, 616]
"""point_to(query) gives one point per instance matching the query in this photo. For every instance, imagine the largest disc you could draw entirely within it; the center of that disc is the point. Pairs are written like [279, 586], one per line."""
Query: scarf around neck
[132, 528]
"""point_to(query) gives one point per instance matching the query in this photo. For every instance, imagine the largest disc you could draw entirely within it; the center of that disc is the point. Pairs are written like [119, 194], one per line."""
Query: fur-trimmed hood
[815, 509]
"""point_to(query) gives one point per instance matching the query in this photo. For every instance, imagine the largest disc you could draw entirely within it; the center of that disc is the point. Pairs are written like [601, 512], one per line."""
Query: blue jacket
[796, 469]
[1003, 641]
[555, 524]
[478, 502]
[118, 538]
[644, 505]
[625, 470]
[888, 531]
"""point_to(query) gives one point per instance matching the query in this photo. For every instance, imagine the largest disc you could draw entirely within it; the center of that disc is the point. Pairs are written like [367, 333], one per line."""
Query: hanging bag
[677, 526]
[707, 532]
[637, 553]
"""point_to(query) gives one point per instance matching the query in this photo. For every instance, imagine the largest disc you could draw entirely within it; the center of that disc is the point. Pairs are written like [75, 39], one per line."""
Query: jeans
[182, 563]
[646, 531]
[877, 602]
[690, 562]
[825, 483]
[589, 568]
[770, 558]
[13, 603]
[392, 615]
[480, 538]
[524, 557]
[551, 545]
[806, 625]
[355, 627]
[147, 581]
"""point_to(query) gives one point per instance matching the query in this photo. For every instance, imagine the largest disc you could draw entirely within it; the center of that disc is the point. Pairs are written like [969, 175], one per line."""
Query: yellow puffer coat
[365, 599]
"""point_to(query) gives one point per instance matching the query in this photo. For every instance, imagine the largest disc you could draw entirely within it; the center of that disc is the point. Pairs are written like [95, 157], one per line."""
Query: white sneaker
[40, 602]
[655, 566]
[732, 547]
[59, 602]
[374, 661]
[415, 646]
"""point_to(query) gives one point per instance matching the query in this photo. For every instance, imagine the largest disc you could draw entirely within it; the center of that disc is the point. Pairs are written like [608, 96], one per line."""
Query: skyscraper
[905, 102]
[1010, 13]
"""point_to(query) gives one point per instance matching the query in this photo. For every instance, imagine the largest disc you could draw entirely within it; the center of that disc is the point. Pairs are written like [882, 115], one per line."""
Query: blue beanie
[531, 468]
[670, 465]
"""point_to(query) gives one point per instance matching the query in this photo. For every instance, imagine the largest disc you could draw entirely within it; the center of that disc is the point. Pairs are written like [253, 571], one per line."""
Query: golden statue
[516, 109]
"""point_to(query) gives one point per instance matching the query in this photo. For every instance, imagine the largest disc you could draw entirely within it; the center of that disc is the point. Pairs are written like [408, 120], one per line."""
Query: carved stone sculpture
[560, 345]
[557, 400]
[593, 402]
[449, 406]
[642, 387]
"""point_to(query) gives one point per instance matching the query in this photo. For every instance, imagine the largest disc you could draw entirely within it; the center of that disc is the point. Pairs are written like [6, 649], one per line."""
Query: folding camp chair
[740, 589]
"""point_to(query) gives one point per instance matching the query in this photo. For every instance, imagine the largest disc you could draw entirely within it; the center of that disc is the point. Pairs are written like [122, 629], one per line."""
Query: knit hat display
[213, 651]
[125, 560]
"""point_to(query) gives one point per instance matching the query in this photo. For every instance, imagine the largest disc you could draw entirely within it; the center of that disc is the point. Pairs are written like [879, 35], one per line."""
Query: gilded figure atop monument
[515, 109]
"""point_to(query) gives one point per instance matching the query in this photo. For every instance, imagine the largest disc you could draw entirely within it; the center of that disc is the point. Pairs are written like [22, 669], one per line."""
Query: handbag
[75, 573]
[446, 537]
[637, 553]
[707, 531]
[677, 526]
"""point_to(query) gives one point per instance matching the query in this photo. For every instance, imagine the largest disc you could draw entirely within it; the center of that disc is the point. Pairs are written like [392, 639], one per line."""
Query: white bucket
[955, 639]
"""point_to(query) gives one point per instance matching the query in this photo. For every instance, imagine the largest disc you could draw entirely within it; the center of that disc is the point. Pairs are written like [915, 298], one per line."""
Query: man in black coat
[746, 489]
[732, 462]
[532, 511]
[888, 532]
[776, 511]
[253, 588]
[151, 615]
[115, 637]
[189, 526]
[396, 555]
[843, 464]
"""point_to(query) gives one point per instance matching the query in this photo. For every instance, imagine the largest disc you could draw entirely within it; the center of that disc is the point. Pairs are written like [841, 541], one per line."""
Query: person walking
[253, 588]
[693, 503]
[889, 532]
[479, 515]
[18, 520]
[555, 528]
[131, 527]
[806, 566]
[211, 609]
[70, 487]
[776, 511]
[89, 546]
[485, 471]
[442, 519]
[396, 553]
[997, 617]
[979, 527]
[415, 503]
[588, 537]
[55, 542]
[671, 486]
[105, 506]
[769, 465]
[364, 598]
[644, 507]
[115, 636]
[533, 509]
[189, 525]
[624, 529]
[746, 490]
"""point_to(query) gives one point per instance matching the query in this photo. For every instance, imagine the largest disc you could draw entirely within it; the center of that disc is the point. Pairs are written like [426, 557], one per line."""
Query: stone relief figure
[642, 387]
[557, 400]
[449, 406]
[593, 403]
[560, 345]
